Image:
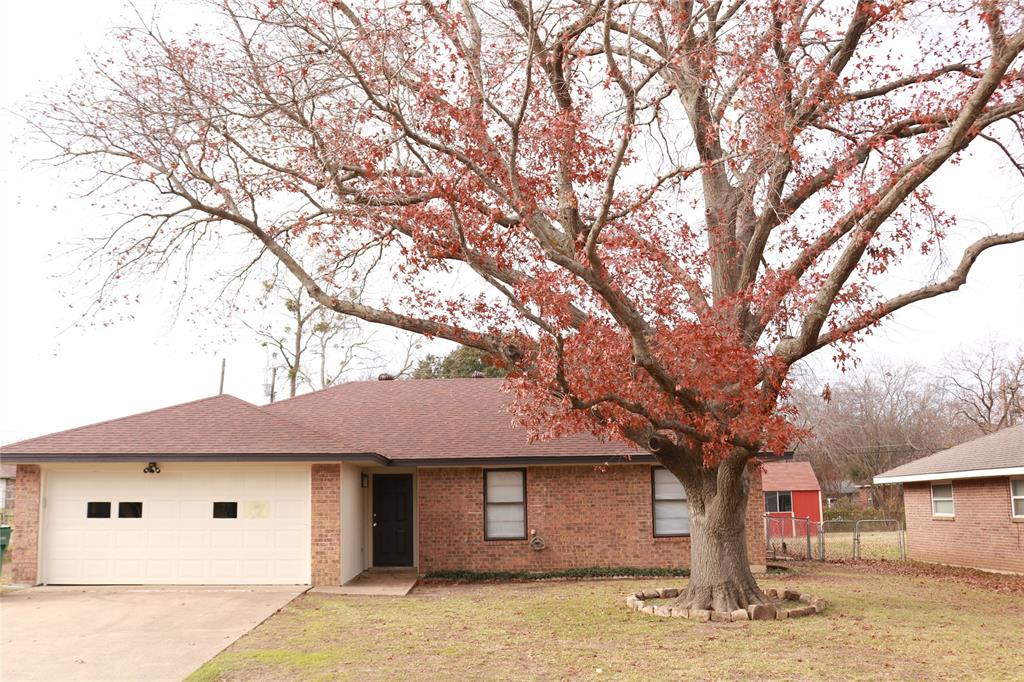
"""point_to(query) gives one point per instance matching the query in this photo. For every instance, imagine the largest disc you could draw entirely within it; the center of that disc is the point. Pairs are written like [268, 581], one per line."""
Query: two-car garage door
[189, 524]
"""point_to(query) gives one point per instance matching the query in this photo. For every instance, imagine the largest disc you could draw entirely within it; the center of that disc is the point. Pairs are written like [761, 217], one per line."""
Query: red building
[791, 491]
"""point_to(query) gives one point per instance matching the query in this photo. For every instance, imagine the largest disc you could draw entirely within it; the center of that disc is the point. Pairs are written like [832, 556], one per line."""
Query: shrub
[573, 573]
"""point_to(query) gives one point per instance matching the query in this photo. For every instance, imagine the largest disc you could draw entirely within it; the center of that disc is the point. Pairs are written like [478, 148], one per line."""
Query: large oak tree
[666, 203]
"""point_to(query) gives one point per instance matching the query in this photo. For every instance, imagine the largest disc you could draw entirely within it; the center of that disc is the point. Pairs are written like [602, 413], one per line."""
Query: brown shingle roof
[430, 419]
[788, 476]
[219, 425]
[1003, 449]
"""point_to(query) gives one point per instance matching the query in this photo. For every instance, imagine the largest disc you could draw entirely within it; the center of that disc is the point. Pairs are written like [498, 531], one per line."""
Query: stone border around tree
[638, 601]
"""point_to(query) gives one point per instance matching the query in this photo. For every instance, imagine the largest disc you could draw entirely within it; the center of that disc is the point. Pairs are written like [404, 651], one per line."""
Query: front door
[392, 520]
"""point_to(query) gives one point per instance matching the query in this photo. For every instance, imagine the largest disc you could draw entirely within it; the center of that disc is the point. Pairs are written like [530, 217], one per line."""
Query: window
[129, 510]
[225, 510]
[97, 510]
[505, 504]
[778, 501]
[671, 511]
[942, 499]
[1017, 497]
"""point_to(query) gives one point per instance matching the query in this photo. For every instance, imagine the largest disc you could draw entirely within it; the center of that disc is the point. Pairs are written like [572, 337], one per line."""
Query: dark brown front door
[392, 520]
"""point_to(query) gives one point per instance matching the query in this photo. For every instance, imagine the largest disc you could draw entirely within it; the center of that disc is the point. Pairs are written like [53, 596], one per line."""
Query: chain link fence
[789, 537]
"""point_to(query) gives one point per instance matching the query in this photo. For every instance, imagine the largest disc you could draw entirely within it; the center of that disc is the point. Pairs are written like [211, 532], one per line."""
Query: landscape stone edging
[638, 602]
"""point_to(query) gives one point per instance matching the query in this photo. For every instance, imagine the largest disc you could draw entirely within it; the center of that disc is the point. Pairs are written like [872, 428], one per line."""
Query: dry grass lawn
[880, 625]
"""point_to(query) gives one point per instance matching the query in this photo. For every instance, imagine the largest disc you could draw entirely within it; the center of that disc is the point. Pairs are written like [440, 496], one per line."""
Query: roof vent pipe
[384, 376]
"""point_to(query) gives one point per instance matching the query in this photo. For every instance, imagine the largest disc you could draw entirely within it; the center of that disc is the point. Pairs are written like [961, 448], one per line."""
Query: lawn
[881, 625]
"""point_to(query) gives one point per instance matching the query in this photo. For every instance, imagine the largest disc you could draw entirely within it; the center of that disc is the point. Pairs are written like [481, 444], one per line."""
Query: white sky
[55, 374]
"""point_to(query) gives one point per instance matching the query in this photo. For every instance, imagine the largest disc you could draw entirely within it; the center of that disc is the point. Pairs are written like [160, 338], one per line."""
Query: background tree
[879, 417]
[315, 347]
[666, 204]
[461, 362]
[986, 386]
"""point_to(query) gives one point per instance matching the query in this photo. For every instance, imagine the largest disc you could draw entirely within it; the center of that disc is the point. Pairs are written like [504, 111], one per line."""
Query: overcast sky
[57, 373]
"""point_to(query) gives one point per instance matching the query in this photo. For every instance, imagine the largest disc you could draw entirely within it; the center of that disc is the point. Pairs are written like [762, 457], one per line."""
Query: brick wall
[982, 534]
[587, 518]
[326, 524]
[25, 531]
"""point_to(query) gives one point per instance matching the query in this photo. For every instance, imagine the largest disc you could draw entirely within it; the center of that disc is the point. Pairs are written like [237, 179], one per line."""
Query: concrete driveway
[126, 633]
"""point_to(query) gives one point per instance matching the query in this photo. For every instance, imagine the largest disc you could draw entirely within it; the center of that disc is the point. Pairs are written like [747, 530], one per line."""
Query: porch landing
[383, 582]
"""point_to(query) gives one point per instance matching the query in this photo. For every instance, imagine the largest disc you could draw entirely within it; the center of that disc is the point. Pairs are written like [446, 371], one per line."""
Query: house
[791, 491]
[965, 505]
[428, 474]
[846, 492]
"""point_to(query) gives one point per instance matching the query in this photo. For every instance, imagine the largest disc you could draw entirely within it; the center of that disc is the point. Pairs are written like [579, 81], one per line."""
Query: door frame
[414, 520]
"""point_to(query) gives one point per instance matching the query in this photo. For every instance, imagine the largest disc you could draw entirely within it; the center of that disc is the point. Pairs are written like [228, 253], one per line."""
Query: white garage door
[190, 524]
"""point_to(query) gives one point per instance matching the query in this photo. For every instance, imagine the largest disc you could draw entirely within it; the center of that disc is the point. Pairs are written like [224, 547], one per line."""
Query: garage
[178, 523]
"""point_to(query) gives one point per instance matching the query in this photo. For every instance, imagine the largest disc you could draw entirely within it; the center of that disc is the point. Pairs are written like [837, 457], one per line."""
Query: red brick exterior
[25, 532]
[587, 518]
[982, 534]
[325, 532]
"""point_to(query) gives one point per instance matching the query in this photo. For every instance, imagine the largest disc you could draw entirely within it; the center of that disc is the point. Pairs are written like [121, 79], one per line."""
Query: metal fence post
[807, 532]
[856, 540]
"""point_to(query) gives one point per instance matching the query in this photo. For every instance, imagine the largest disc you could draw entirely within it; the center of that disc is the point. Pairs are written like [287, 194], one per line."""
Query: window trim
[776, 493]
[951, 499]
[1013, 498]
[654, 518]
[526, 518]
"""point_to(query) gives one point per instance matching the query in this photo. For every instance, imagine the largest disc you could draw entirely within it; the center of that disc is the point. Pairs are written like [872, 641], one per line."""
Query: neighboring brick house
[428, 474]
[965, 505]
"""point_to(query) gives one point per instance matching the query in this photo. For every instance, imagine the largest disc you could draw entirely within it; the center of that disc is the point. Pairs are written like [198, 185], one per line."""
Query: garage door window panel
[97, 510]
[225, 510]
[129, 510]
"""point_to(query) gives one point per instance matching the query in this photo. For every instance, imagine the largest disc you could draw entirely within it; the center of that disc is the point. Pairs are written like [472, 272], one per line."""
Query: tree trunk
[720, 577]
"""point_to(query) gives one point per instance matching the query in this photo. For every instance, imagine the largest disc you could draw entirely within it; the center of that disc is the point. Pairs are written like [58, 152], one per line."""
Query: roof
[432, 421]
[788, 476]
[437, 420]
[219, 425]
[997, 454]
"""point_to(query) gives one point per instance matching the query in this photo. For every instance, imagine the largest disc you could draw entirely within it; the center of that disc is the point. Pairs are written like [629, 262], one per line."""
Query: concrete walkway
[126, 633]
[383, 582]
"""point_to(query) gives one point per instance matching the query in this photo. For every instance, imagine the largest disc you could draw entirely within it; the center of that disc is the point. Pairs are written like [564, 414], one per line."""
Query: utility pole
[223, 368]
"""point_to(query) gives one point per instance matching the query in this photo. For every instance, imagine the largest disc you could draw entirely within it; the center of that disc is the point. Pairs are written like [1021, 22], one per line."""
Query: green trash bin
[5, 539]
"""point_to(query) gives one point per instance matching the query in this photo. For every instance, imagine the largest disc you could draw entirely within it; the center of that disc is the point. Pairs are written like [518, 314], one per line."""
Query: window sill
[683, 535]
[941, 517]
[505, 540]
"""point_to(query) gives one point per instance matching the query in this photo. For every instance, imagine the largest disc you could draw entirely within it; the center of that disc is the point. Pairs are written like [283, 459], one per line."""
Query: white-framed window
[942, 499]
[505, 504]
[1017, 497]
[671, 511]
[776, 501]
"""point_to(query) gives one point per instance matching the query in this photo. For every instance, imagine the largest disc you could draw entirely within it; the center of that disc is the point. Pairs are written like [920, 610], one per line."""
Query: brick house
[965, 505]
[428, 474]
